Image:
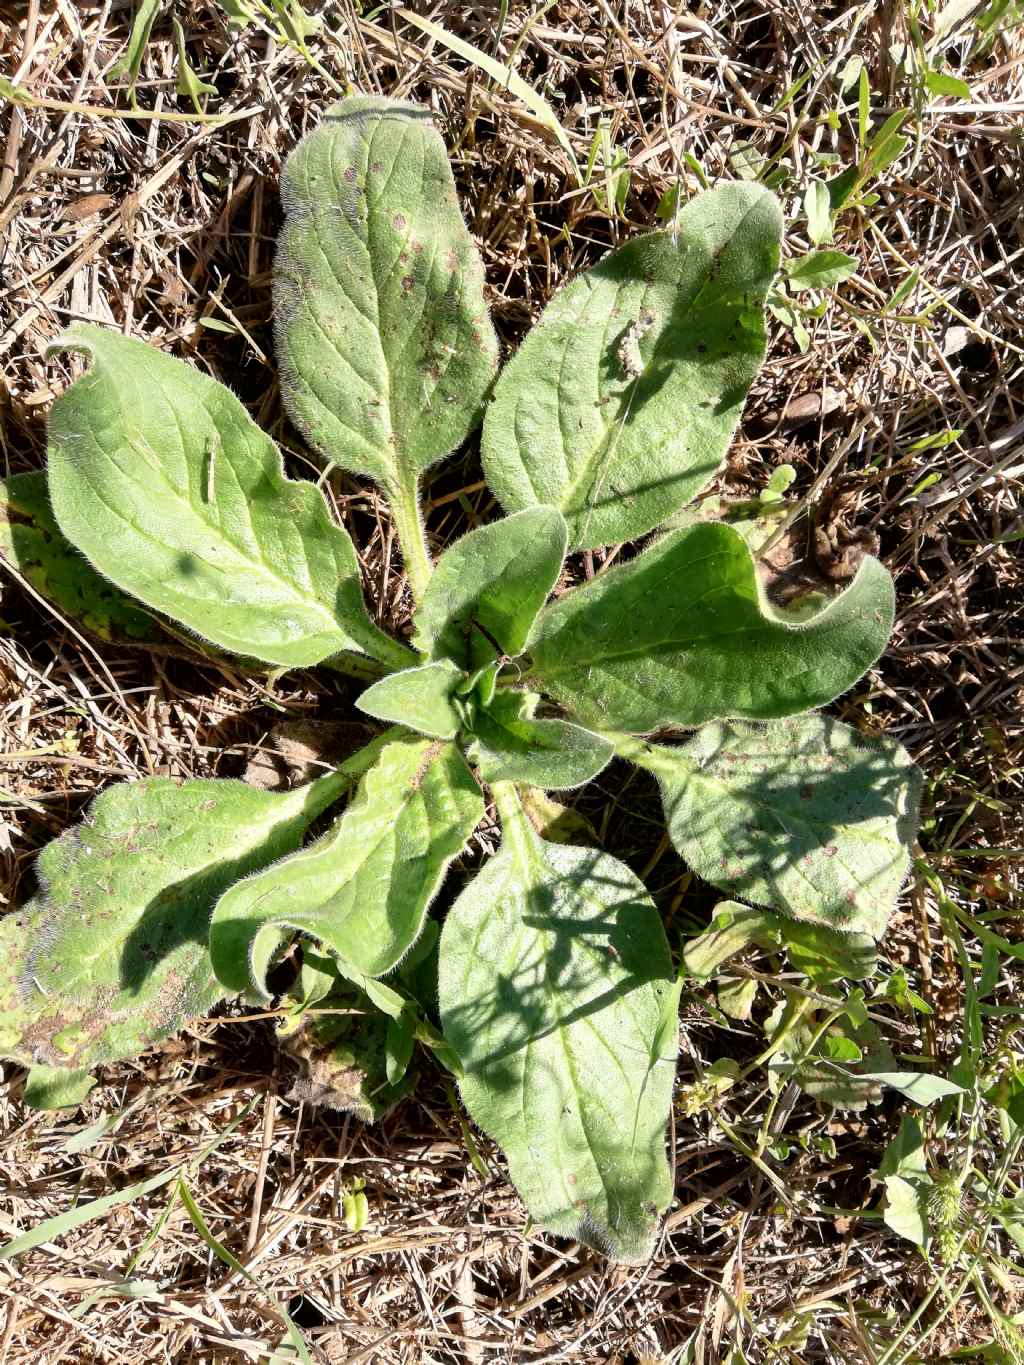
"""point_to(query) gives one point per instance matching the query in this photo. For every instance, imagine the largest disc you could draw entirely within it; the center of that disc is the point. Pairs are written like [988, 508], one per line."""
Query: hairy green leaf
[820, 269]
[554, 974]
[383, 338]
[111, 954]
[906, 1209]
[401, 1038]
[733, 928]
[488, 587]
[511, 745]
[421, 698]
[54, 1087]
[804, 815]
[824, 954]
[560, 824]
[364, 888]
[162, 479]
[32, 542]
[755, 520]
[684, 634]
[621, 402]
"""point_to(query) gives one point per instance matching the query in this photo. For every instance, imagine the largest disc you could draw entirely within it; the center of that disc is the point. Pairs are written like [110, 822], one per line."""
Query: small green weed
[286, 21]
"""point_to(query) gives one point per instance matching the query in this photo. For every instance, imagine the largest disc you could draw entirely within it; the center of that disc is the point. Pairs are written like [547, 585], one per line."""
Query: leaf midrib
[572, 497]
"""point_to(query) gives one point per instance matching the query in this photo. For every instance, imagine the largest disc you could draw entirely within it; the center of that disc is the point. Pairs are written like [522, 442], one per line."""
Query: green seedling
[558, 999]
[283, 20]
[606, 174]
[189, 82]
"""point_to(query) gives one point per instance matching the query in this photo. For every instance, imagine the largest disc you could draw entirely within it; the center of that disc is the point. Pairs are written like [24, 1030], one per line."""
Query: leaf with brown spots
[621, 402]
[163, 481]
[111, 955]
[383, 339]
[342, 1058]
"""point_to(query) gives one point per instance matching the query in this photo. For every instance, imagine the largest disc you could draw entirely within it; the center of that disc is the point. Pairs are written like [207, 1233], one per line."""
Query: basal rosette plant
[556, 999]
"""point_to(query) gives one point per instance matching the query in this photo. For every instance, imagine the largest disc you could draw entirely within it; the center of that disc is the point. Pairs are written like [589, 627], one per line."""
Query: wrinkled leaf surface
[684, 634]
[364, 888]
[511, 745]
[622, 400]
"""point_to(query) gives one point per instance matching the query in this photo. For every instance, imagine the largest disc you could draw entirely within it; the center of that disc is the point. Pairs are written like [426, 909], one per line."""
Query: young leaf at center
[511, 745]
[421, 698]
[488, 587]
[554, 975]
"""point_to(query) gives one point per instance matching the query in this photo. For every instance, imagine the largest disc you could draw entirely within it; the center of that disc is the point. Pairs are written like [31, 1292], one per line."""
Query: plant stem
[403, 497]
[506, 802]
[390, 653]
[324, 791]
[358, 666]
[19, 95]
[634, 747]
[516, 829]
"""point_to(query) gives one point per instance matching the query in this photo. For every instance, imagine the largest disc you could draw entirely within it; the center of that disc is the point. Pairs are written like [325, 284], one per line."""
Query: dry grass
[165, 229]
